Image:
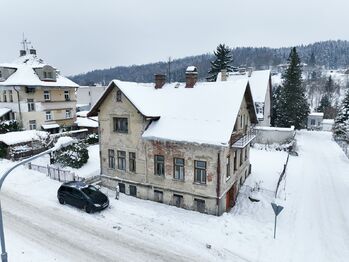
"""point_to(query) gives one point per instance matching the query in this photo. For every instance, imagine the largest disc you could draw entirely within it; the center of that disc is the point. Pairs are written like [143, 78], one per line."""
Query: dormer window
[48, 73]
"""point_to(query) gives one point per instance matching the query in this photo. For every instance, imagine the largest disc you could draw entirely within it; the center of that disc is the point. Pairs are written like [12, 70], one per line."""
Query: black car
[83, 196]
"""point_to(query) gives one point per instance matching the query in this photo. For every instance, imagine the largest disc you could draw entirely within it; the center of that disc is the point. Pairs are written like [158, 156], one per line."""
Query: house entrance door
[231, 197]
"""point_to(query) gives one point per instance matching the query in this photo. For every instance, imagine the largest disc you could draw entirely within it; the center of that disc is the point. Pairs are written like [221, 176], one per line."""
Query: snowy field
[314, 225]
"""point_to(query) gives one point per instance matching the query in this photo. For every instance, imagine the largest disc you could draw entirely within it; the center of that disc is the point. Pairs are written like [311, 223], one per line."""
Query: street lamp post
[63, 143]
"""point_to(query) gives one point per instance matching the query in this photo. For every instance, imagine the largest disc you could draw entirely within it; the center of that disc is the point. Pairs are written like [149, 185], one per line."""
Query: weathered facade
[194, 175]
[36, 94]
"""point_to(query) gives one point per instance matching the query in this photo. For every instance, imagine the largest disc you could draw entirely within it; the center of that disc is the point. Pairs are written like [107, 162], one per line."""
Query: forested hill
[331, 54]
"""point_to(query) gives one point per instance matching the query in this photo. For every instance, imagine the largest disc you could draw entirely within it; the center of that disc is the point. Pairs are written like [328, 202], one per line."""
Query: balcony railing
[242, 140]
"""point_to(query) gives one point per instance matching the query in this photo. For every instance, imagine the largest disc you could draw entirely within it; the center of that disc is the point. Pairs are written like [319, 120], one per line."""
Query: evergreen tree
[330, 86]
[325, 102]
[275, 105]
[312, 60]
[341, 125]
[223, 60]
[292, 106]
[75, 155]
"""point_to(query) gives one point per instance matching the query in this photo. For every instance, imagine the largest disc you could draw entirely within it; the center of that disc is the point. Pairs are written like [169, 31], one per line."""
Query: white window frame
[68, 113]
[48, 115]
[32, 126]
[47, 95]
[31, 105]
[66, 95]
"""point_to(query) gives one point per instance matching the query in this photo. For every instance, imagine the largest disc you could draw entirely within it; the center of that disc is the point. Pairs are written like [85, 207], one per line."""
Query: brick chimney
[160, 80]
[224, 74]
[191, 76]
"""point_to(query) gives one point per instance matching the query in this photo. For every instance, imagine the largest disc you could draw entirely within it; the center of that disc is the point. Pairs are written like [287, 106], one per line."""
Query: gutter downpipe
[19, 109]
[218, 189]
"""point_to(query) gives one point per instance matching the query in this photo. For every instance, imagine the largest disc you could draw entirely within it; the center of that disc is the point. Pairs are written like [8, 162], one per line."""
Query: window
[111, 158]
[4, 96]
[48, 75]
[242, 156]
[66, 95]
[246, 153]
[158, 196]
[178, 168]
[132, 161]
[118, 96]
[31, 105]
[48, 116]
[0, 74]
[68, 113]
[120, 124]
[177, 200]
[133, 191]
[228, 166]
[32, 124]
[312, 122]
[47, 95]
[199, 205]
[122, 188]
[122, 160]
[235, 160]
[10, 95]
[200, 172]
[159, 165]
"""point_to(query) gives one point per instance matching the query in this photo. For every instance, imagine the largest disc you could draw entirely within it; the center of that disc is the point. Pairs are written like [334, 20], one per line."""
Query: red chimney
[160, 80]
[191, 76]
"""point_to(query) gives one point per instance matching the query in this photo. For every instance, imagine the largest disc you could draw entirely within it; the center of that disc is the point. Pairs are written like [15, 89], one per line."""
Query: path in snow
[315, 223]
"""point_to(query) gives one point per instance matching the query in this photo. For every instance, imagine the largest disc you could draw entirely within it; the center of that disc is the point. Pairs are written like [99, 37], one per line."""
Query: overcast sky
[80, 35]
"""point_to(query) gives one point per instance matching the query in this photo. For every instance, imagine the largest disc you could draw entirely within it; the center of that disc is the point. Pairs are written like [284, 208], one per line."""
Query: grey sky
[80, 35]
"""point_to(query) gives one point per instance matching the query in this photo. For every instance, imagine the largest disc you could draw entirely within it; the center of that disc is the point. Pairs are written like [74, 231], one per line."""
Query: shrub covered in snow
[9, 126]
[75, 155]
[92, 139]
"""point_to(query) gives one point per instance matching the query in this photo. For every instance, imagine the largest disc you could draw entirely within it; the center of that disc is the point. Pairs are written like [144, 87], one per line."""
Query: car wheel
[61, 200]
[88, 209]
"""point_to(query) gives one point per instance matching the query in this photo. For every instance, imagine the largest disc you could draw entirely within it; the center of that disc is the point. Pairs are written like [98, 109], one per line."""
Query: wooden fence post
[59, 178]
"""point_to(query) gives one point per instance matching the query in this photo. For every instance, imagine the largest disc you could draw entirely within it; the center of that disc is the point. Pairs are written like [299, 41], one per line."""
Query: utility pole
[169, 69]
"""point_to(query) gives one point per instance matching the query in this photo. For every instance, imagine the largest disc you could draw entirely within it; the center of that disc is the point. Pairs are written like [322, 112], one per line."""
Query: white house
[261, 87]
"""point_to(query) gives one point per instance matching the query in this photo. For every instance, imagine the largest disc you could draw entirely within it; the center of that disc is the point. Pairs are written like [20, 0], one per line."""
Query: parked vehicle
[83, 196]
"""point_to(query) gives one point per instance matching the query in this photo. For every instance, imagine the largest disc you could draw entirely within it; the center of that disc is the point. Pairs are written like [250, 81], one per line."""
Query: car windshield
[90, 191]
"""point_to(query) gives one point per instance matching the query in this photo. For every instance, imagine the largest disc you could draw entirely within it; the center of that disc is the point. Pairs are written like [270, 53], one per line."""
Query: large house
[261, 87]
[184, 144]
[36, 94]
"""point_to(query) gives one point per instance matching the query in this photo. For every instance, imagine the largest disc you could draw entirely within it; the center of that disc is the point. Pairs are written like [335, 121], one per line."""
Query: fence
[56, 173]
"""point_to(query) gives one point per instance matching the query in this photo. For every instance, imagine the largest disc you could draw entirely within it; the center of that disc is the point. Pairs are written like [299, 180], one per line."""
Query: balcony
[241, 140]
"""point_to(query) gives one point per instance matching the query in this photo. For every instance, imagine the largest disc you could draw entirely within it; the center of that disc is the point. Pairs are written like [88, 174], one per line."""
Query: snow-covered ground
[314, 226]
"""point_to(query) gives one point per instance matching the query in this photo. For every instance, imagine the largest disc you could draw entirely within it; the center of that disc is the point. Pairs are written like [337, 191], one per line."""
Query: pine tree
[341, 125]
[292, 105]
[223, 60]
[312, 60]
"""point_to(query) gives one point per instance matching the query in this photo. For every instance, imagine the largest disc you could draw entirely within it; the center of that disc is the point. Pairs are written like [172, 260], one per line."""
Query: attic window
[47, 74]
[118, 96]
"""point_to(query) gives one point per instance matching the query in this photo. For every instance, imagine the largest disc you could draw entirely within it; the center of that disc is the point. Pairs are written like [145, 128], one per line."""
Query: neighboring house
[315, 121]
[261, 87]
[87, 96]
[327, 124]
[38, 96]
[183, 144]
[16, 145]
[84, 122]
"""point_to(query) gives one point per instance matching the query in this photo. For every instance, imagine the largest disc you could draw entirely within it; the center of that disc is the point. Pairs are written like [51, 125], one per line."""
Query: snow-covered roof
[316, 114]
[203, 114]
[26, 75]
[328, 121]
[4, 111]
[13, 138]
[86, 122]
[50, 126]
[259, 82]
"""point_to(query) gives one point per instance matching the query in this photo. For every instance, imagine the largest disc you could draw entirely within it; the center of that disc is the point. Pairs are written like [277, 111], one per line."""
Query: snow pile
[13, 138]
[63, 142]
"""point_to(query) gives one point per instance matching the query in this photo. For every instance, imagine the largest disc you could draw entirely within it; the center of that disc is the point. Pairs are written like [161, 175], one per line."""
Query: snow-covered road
[314, 226]
[315, 223]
